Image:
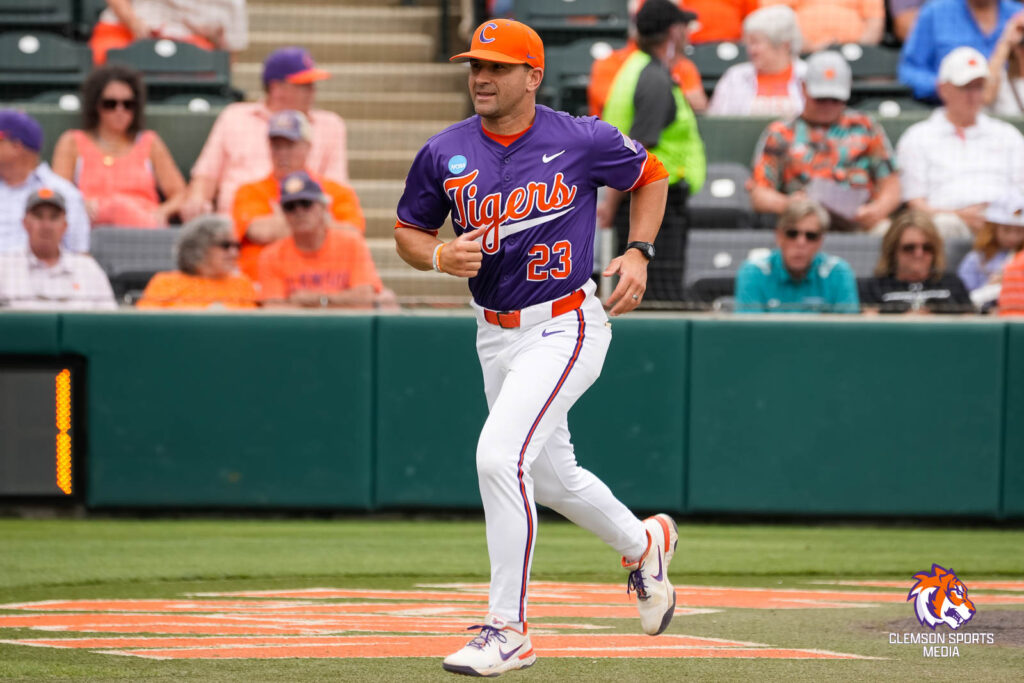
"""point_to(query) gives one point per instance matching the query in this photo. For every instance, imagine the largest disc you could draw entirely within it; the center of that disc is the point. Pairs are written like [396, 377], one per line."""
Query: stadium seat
[716, 293]
[44, 15]
[871, 61]
[714, 59]
[723, 202]
[197, 102]
[567, 72]
[563, 21]
[170, 67]
[719, 253]
[890, 107]
[130, 257]
[87, 12]
[33, 63]
[955, 250]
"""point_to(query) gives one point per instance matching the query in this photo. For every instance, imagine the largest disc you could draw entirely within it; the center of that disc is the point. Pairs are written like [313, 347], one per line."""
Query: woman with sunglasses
[910, 276]
[207, 275]
[121, 169]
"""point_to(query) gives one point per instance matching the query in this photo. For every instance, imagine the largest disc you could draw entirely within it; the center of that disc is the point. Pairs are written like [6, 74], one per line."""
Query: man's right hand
[463, 256]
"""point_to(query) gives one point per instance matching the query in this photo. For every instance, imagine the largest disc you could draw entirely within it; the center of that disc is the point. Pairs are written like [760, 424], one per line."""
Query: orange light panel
[63, 402]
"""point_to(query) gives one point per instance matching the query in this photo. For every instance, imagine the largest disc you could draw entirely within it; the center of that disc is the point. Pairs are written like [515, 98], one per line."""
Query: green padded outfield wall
[254, 411]
[1013, 465]
[628, 429]
[881, 418]
[30, 333]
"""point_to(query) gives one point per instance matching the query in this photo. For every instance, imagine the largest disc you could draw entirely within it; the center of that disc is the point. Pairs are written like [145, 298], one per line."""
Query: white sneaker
[496, 649]
[656, 598]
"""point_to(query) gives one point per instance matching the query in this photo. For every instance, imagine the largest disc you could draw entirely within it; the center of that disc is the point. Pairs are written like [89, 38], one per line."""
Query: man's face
[297, 96]
[499, 90]
[45, 225]
[963, 103]
[305, 216]
[288, 156]
[9, 150]
[799, 244]
[822, 110]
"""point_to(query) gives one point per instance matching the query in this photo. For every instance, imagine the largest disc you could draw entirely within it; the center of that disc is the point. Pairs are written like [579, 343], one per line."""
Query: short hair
[778, 24]
[196, 238]
[886, 266]
[92, 93]
[798, 209]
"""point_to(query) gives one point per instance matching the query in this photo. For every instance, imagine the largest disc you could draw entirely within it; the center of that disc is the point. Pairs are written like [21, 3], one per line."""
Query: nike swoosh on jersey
[545, 333]
[547, 158]
[506, 655]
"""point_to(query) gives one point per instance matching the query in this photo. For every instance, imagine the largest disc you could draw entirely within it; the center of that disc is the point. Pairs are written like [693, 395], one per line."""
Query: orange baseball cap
[507, 42]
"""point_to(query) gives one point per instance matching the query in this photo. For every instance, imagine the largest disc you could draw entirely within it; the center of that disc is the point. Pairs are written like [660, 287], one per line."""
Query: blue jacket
[764, 285]
[942, 26]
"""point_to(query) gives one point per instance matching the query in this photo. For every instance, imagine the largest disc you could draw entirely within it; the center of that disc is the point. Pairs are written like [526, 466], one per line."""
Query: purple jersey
[537, 197]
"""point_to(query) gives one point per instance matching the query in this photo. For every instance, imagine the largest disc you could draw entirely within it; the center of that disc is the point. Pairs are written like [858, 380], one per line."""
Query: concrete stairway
[388, 85]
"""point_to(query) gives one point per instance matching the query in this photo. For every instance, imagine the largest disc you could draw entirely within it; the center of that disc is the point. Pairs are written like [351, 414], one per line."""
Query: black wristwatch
[645, 248]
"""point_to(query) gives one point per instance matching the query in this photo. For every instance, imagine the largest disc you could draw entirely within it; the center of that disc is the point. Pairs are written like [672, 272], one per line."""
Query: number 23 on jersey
[554, 261]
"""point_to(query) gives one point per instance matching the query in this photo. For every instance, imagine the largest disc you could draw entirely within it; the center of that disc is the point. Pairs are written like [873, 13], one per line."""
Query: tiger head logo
[941, 598]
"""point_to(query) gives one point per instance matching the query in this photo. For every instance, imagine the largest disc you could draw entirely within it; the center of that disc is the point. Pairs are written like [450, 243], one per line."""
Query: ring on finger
[636, 297]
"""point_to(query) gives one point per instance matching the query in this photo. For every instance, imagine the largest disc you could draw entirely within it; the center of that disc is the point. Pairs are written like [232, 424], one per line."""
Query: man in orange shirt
[257, 212]
[683, 70]
[317, 265]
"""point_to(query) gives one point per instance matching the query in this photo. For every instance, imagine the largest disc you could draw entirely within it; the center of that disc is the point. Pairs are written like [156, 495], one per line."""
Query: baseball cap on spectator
[45, 195]
[289, 124]
[658, 16]
[506, 42]
[292, 64]
[1007, 210]
[828, 76]
[17, 125]
[299, 185]
[963, 65]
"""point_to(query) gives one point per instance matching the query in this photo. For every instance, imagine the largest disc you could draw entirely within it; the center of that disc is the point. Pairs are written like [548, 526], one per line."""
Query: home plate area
[353, 623]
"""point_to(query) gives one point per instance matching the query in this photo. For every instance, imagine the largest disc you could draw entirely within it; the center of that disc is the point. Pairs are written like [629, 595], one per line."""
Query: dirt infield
[569, 620]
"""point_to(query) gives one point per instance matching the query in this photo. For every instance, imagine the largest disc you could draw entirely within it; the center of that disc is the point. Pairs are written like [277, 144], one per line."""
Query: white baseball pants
[533, 375]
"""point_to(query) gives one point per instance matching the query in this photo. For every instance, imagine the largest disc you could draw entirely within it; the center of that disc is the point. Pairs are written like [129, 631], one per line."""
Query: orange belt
[510, 319]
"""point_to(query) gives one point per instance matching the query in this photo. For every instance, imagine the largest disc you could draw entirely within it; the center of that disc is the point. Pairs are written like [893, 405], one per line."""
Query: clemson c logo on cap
[45, 193]
[972, 62]
[293, 185]
[484, 38]
[830, 74]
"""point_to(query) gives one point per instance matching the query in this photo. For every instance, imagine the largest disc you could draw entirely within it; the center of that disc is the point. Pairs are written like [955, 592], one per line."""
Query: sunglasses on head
[228, 244]
[110, 104]
[809, 235]
[911, 247]
[303, 203]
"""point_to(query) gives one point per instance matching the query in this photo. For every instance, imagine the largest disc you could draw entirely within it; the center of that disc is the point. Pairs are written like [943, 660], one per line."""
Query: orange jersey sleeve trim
[399, 223]
[653, 170]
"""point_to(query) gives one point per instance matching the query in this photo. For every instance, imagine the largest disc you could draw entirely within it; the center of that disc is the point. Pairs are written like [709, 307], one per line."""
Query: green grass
[106, 559]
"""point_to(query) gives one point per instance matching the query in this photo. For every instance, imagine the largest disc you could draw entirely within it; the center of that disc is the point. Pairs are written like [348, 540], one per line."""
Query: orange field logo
[567, 620]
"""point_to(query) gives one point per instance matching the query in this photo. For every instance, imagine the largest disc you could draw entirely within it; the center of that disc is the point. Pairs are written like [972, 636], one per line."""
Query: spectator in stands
[209, 24]
[683, 70]
[1004, 90]
[648, 106]
[207, 275]
[120, 169]
[904, 16]
[234, 152]
[21, 174]
[257, 212]
[958, 159]
[836, 156]
[797, 277]
[45, 276]
[770, 83]
[834, 22]
[997, 243]
[318, 265]
[910, 276]
[944, 25]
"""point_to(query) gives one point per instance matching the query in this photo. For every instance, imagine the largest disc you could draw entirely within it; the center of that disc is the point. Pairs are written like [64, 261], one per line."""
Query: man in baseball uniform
[520, 182]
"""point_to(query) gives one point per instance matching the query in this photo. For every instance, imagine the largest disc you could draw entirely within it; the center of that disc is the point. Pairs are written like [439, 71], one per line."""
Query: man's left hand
[869, 215]
[631, 268]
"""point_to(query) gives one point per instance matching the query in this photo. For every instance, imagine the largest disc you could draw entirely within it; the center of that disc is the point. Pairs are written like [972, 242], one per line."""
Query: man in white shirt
[958, 159]
[21, 174]
[45, 277]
